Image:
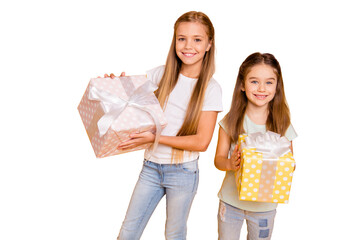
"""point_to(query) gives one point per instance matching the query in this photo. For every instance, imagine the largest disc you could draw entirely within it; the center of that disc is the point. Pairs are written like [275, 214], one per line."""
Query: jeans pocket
[190, 167]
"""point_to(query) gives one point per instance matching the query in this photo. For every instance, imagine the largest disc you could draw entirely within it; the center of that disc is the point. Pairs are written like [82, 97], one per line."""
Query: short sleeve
[290, 133]
[154, 75]
[213, 97]
[222, 124]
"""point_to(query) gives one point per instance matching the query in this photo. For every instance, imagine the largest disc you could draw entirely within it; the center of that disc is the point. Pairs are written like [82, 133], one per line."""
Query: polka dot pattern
[131, 119]
[264, 180]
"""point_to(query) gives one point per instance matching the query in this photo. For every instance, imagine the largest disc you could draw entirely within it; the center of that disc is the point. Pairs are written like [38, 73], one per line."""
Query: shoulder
[213, 97]
[155, 74]
[222, 124]
[213, 89]
[213, 84]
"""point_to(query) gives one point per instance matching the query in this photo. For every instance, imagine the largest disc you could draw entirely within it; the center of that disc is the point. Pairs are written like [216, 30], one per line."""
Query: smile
[260, 97]
[189, 54]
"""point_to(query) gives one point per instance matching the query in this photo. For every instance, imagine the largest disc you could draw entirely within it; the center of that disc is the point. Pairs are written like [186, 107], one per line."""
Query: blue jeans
[230, 221]
[178, 182]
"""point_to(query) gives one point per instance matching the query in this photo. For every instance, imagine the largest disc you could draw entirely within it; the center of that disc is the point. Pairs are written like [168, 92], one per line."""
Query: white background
[53, 187]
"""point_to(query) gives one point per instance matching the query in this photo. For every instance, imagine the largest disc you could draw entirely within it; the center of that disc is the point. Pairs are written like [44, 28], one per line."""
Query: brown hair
[172, 71]
[278, 119]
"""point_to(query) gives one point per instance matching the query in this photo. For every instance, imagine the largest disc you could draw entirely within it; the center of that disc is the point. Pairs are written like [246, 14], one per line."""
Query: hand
[137, 139]
[235, 159]
[113, 75]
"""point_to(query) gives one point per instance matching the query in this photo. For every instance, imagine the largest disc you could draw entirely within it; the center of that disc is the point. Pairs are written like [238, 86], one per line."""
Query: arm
[221, 161]
[197, 142]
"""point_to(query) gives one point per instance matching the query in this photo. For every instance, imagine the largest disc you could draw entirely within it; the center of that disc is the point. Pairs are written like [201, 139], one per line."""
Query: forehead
[191, 29]
[262, 71]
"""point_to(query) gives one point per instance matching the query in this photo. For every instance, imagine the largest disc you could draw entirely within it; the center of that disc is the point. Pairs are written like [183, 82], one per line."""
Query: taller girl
[191, 100]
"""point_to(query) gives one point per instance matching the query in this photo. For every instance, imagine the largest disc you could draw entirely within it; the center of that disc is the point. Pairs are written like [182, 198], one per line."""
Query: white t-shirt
[175, 111]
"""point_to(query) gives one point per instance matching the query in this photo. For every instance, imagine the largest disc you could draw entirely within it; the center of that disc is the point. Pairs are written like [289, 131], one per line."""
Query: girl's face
[192, 42]
[260, 85]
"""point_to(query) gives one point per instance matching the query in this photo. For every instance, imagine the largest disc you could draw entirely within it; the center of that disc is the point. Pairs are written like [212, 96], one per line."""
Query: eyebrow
[266, 79]
[196, 36]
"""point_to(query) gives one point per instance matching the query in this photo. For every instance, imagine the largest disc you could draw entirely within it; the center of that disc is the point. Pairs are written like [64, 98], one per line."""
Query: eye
[254, 82]
[181, 39]
[197, 40]
[269, 82]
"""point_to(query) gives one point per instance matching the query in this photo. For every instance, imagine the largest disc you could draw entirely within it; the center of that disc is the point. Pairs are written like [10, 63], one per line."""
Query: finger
[122, 74]
[112, 75]
[138, 134]
[236, 150]
[235, 154]
[127, 143]
[127, 147]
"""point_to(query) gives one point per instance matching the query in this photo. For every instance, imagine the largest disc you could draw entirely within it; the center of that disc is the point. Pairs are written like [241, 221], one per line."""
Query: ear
[209, 46]
[242, 88]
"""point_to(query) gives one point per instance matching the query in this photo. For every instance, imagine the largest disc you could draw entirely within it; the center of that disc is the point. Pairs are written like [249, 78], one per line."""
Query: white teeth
[260, 96]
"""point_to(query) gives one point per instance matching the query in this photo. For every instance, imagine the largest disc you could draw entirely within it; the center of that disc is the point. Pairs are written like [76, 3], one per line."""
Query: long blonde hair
[278, 119]
[171, 75]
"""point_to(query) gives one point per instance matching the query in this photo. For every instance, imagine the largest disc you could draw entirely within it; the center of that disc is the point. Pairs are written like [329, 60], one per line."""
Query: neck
[191, 71]
[257, 114]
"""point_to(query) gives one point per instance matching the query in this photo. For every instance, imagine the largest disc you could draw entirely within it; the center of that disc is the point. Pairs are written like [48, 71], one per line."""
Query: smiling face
[260, 85]
[192, 42]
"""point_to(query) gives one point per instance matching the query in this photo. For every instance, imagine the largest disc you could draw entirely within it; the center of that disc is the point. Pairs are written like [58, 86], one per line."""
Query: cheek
[248, 93]
[250, 88]
[201, 48]
[273, 90]
[273, 93]
[179, 46]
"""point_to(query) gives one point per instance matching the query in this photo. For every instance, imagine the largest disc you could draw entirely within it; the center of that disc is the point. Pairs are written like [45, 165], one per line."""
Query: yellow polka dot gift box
[266, 169]
[112, 109]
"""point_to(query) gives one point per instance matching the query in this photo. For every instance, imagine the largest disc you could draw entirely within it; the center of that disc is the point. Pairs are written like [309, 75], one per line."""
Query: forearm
[190, 143]
[198, 142]
[222, 163]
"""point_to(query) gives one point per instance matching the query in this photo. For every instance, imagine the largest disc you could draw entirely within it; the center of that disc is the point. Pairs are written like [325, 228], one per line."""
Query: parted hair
[171, 75]
[278, 119]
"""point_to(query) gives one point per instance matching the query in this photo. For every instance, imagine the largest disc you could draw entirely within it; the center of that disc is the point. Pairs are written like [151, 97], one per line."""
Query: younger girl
[258, 105]
[191, 100]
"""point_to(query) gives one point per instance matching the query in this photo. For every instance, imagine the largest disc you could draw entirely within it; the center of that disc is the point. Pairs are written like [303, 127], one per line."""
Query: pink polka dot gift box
[266, 169]
[111, 109]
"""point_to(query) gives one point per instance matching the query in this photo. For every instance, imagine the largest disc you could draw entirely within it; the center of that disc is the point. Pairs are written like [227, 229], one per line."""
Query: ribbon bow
[270, 144]
[114, 105]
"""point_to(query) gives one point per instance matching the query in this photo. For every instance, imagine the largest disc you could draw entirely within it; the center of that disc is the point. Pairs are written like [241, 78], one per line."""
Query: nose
[188, 44]
[261, 87]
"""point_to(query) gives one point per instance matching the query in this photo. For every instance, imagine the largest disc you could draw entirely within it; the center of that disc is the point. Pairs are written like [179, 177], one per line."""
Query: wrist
[228, 165]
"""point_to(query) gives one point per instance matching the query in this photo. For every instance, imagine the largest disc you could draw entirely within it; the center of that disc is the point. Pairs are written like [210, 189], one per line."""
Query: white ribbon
[114, 105]
[270, 144]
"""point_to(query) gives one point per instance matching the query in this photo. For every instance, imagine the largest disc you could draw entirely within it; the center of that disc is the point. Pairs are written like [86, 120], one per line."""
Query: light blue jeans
[230, 221]
[178, 182]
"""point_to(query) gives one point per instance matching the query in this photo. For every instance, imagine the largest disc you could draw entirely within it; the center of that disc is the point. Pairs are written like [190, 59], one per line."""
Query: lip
[260, 96]
[189, 54]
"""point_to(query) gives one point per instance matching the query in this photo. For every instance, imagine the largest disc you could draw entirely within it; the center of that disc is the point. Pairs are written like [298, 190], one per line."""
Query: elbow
[217, 163]
[201, 143]
[203, 147]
